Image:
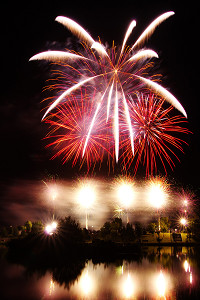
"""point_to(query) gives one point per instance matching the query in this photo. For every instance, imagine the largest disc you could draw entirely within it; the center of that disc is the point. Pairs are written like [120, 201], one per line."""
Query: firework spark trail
[57, 56]
[90, 128]
[92, 123]
[150, 29]
[129, 122]
[76, 29]
[103, 69]
[164, 93]
[147, 53]
[128, 33]
[116, 127]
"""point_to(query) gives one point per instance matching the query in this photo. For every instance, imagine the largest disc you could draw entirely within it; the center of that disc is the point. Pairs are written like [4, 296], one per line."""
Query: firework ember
[109, 77]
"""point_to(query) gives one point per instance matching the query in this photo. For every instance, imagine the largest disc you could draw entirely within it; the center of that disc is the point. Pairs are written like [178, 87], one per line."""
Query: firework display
[97, 105]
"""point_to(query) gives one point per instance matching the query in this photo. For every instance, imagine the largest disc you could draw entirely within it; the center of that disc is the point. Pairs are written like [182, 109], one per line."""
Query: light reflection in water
[191, 278]
[86, 284]
[186, 266]
[128, 280]
[161, 284]
[128, 286]
[51, 287]
[155, 276]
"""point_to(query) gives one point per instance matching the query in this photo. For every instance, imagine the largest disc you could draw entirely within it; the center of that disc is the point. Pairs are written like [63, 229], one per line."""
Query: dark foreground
[49, 269]
[47, 250]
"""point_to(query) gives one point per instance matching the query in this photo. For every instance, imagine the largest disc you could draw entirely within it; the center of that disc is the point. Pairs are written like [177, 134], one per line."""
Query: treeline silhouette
[70, 241]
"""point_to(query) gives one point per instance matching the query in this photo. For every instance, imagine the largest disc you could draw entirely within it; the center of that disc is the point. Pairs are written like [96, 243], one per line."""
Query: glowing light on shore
[157, 193]
[125, 193]
[183, 221]
[86, 198]
[51, 228]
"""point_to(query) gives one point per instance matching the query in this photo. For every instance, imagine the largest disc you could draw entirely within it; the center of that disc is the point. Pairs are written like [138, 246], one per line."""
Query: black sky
[29, 28]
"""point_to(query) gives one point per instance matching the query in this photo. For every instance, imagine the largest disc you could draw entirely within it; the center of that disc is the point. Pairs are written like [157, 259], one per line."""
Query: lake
[155, 273]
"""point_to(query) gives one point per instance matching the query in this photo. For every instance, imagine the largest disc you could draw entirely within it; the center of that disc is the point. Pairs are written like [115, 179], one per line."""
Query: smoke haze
[34, 200]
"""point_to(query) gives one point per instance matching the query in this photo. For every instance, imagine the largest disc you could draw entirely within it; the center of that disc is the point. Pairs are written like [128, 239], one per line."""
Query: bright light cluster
[125, 193]
[86, 196]
[157, 193]
[51, 228]
[183, 221]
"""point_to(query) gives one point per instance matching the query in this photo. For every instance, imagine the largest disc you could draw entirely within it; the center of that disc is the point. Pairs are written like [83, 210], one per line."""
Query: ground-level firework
[113, 75]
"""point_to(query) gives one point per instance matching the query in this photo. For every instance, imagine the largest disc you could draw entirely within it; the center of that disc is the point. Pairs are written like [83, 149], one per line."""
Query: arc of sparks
[76, 29]
[150, 29]
[128, 33]
[100, 49]
[164, 93]
[57, 56]
[146, 53]
[82, 34]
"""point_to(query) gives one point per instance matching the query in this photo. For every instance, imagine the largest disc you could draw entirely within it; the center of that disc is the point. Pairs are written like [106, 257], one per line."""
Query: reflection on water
[155, 274]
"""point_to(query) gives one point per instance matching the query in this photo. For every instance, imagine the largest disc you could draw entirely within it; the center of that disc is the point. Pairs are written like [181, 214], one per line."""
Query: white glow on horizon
[86, 195]
[157, 194]
[51, 228]
[125, 194]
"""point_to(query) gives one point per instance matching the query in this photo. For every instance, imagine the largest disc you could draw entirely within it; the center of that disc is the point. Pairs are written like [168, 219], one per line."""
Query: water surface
[165, 273]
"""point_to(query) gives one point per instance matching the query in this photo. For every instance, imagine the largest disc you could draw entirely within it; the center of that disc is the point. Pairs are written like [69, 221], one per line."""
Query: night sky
[29, 27]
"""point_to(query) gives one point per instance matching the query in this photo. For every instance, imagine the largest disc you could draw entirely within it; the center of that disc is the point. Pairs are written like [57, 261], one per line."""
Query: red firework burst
[155, 134]
[69, 130]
